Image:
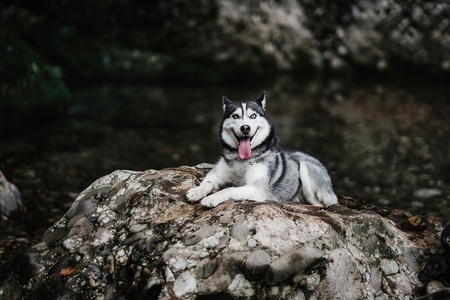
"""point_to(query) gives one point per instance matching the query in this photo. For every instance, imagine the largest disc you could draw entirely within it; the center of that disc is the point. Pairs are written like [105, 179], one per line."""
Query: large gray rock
[360, 34]
[132, 235]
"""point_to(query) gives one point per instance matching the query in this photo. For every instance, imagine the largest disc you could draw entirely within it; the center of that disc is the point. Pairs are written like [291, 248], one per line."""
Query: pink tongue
[244, 150]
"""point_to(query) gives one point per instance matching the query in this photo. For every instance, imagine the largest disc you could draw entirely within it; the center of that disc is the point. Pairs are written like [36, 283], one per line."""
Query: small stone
[41, 246]
[185, 284]
[240, 232]
[152, 282]
[103, 236]
[435, 286]
[92, 282]
[198, 235]
[135, 237]
[292, 263]
[226, 218]
[206, 267]
[403, 285]
[252, 243]
[82, 227]
[218, 282]
[138, 227]
[107, 216]
[179, 264]
[256, 264]
[427, 193]
[211, 242]
[375, 278]
[241, 287]
[72, 243]
[388, 267]
[226, 270]
[168, 275]
[122, 256]
[312, 281]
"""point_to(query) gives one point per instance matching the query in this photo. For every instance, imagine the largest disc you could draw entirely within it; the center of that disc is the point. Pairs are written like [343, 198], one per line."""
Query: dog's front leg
[247, 192]
[216, 178]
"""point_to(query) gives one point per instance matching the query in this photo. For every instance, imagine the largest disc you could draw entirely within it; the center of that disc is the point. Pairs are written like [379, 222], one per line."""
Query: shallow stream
[387, 144]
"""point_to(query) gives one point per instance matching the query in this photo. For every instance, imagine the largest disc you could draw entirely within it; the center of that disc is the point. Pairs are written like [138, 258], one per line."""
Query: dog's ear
[261, 101]
[226, 102]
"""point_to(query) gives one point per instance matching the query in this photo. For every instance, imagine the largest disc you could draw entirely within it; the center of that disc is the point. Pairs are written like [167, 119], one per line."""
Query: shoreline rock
[10, 201]
[133, 235]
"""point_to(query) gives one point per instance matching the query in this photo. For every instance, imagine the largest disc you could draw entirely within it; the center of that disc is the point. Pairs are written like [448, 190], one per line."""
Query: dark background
[91, 87]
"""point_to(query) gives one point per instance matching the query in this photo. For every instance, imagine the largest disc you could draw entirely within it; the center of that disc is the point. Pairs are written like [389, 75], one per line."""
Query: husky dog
[256, 167]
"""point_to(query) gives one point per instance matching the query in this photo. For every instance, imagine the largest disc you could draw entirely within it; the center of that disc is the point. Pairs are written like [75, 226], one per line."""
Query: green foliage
[28, 81]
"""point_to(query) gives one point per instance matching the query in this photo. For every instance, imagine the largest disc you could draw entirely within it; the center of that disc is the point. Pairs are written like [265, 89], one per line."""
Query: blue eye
[235, 116]
[253, 116]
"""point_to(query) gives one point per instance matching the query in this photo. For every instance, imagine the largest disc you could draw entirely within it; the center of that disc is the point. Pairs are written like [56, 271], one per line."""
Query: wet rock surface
[132, 235]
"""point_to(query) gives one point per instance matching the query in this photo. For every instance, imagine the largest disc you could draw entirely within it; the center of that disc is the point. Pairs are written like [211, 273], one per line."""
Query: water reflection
[383, 143]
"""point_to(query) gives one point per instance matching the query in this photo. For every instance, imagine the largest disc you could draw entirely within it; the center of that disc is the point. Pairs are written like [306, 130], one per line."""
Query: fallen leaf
[67, 271]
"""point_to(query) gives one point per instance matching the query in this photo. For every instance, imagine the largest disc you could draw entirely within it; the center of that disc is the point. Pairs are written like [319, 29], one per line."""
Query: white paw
[213, 200]
[195, 194]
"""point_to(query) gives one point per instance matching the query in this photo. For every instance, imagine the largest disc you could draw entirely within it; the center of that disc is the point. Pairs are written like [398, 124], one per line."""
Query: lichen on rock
[133, 234]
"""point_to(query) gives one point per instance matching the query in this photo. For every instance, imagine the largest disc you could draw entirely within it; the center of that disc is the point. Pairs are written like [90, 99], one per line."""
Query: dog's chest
[246, 172]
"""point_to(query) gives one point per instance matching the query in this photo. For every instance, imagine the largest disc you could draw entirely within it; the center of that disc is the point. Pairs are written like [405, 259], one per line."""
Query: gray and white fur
[256, 167]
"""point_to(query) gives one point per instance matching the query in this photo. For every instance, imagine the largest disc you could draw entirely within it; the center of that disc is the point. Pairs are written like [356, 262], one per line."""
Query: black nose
[245, 129]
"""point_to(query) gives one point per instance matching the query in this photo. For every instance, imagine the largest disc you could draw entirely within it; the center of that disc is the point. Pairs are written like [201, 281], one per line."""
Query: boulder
[132, 235]
[10, 200]
[212, 41]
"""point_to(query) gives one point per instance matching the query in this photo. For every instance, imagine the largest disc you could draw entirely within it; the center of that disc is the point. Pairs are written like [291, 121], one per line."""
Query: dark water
[387, 144]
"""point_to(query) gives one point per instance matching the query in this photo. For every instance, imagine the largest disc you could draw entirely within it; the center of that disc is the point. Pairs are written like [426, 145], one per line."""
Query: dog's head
[245, 125]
